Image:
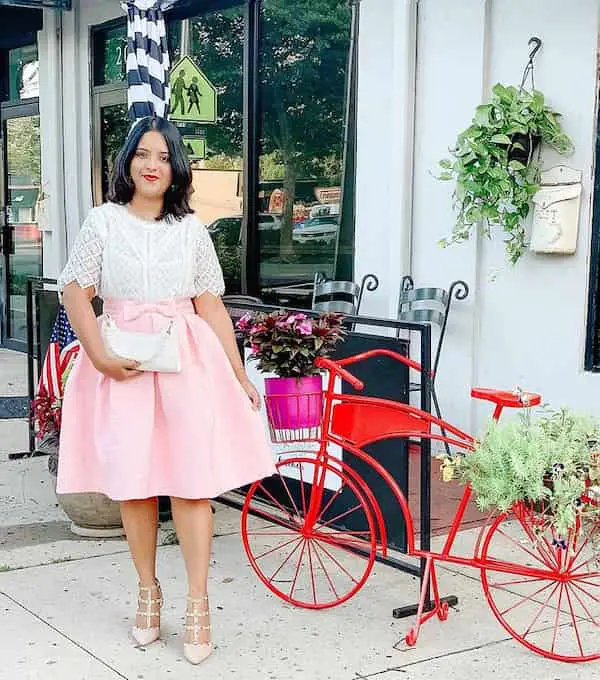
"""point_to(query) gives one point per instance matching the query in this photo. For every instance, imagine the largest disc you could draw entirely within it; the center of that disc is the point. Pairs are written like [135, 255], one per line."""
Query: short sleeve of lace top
[208, 275]
[85, 259]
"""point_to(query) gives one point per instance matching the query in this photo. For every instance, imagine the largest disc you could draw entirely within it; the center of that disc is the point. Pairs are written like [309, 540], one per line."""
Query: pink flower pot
[294, 403]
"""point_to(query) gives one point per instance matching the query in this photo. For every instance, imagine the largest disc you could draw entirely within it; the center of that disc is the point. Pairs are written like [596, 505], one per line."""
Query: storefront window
[110, 55]
[212, 124]
[114, 128]
[303, 52]
[23, 73]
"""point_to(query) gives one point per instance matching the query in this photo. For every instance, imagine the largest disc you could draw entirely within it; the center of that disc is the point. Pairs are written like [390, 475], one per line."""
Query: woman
[136, 434]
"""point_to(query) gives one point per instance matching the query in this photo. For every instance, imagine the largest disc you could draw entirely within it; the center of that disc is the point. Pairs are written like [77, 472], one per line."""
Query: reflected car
[318, 229]
[231, 227]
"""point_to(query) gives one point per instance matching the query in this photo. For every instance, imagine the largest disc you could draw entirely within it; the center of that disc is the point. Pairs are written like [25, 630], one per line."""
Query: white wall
[384, 147]
[527, 327]
[54, 242]
[76, 111]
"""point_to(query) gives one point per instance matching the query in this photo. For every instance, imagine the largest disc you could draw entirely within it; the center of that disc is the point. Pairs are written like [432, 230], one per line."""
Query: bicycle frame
[406, 422]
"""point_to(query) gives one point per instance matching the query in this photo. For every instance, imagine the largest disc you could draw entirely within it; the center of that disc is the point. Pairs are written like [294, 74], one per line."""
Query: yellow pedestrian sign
[195, 147]
[193, 96]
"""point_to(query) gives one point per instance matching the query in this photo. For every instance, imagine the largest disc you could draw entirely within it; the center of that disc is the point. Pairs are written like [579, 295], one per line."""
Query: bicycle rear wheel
[550, 599]
[311, 564]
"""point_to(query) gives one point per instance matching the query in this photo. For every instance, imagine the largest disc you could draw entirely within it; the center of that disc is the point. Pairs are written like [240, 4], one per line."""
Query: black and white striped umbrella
[147, 58]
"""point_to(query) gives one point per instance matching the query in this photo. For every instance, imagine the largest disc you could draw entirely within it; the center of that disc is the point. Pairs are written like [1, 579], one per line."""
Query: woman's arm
[77, 302]
[211, 308]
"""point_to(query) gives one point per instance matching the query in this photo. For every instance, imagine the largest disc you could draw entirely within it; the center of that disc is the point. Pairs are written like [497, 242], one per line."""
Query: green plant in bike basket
[551, 460]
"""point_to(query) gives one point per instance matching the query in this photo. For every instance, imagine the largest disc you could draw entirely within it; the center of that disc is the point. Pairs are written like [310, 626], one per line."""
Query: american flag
[62, 349]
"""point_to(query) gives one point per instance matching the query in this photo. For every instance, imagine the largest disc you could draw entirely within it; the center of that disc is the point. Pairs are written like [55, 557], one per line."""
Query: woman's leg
[140, 520]
[193, 522]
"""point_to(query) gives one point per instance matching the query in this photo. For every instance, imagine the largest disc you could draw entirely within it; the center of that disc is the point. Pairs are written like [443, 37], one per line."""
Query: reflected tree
[303, 60]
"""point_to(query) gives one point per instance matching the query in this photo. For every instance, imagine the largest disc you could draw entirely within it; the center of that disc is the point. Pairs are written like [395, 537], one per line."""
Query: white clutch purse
[156, 352]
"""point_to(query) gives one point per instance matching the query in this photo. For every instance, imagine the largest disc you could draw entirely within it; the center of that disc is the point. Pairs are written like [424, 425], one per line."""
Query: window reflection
[216, 46]
[23, 73]
[303, 62]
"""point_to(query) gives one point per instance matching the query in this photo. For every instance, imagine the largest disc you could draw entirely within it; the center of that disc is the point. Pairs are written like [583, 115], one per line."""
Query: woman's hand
[250, 390]
[117, 368]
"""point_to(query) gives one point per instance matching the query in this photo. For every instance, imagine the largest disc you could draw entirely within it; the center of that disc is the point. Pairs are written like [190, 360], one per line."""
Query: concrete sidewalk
[66, 604]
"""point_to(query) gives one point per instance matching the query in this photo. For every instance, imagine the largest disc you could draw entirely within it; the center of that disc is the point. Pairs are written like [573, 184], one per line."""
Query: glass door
[111, 126]
[21, 237]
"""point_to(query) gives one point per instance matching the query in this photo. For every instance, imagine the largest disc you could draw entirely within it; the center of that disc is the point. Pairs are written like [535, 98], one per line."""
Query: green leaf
[501, 139]
[517, 165]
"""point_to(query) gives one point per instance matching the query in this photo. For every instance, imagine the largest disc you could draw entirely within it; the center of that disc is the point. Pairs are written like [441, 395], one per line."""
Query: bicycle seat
[504, 398]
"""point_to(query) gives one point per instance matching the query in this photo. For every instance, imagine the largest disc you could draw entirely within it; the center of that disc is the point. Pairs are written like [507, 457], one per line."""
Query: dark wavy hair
[176, 200]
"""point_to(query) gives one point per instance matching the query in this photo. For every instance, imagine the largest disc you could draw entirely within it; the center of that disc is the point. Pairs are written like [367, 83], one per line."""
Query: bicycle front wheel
[302, 529]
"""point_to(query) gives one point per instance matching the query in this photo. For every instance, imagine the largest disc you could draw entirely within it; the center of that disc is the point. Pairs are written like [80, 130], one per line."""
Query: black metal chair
[342, 297]
[230, 302]
[432, 306]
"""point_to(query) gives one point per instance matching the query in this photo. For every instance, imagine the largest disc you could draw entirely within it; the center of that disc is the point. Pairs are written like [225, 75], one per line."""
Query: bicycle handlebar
[334, 367]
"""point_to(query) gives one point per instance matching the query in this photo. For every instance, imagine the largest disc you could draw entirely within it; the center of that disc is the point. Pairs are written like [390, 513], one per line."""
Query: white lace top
[127, 257]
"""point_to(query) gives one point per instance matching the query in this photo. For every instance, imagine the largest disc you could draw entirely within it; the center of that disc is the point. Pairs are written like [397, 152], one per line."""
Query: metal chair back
[429, 305]
[341, 297]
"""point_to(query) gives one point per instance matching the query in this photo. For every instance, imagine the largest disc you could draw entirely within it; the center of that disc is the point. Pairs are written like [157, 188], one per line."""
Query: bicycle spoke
[326, 507]
[550, 553]
[312, 574]
[330, 582]
[537, 616]
[333, 559]
[289, 494]
[522, 547]
[341, 542]
[302, 493]
[528, 598]
[574, 623]
[298, 568]
[275, 521]
[557, 617]
[272, 533]
[585, 609]
[341, 515]
[276, 501]
[583, 590]
[278, 547]
[531, 579]
[282, 565]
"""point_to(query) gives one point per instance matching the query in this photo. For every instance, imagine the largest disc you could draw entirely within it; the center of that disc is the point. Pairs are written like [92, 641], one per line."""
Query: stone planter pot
[92, 515]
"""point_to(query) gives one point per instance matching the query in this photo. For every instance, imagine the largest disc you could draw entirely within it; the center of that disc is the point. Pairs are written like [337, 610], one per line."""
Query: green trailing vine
[494, 167]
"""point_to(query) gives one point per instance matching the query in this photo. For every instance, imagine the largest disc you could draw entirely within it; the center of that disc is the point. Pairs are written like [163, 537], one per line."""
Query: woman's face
[150, 168]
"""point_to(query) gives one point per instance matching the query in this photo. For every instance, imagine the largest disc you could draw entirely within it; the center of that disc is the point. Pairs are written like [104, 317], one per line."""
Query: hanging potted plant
[287, 344]
[495, 167]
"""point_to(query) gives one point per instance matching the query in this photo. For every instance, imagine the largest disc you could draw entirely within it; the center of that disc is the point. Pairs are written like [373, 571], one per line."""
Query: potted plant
[549, 465]
[91, 514]
[287, 344]
[494, 167]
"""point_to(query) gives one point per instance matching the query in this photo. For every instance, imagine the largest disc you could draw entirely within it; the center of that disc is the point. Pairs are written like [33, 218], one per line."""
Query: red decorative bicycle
[313, 531]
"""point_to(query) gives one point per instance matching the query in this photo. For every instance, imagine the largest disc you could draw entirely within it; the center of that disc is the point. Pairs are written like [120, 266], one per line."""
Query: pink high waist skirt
[191, 435]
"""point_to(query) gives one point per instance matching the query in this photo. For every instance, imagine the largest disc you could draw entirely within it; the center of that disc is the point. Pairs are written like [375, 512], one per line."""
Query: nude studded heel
[150, 600]
[197, 627]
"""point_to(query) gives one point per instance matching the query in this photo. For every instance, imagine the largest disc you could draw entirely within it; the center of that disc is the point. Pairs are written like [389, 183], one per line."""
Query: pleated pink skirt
[191, 435]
